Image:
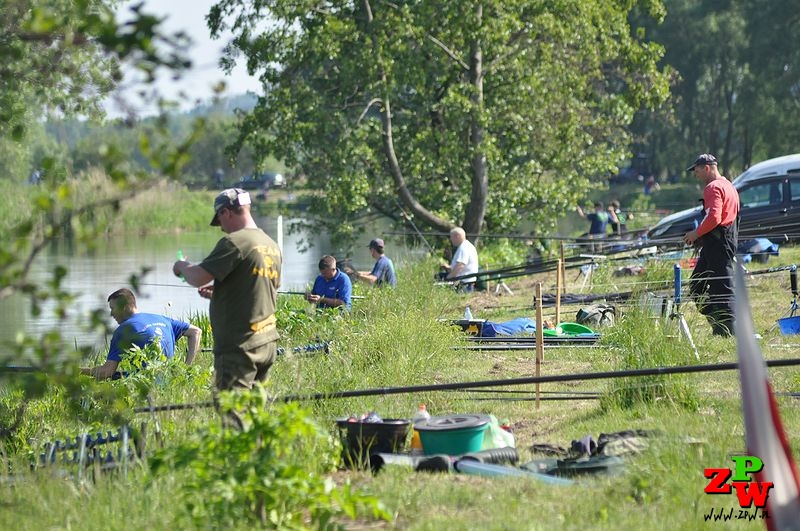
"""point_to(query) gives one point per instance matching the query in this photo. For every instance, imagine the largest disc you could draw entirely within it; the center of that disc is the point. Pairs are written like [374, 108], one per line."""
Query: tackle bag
[596, 315]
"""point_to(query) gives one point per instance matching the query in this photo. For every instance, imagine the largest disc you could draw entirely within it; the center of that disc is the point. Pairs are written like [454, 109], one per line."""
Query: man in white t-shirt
[465, 259]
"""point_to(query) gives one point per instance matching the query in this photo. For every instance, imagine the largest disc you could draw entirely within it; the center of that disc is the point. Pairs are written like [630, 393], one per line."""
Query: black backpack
[596, 315]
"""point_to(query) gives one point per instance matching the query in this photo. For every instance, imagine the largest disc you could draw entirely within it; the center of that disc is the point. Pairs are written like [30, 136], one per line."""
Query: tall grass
[632, 337]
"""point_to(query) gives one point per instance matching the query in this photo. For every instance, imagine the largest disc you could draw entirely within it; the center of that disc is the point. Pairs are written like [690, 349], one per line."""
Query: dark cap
[702, 160]
[377, 243]
[232, 197]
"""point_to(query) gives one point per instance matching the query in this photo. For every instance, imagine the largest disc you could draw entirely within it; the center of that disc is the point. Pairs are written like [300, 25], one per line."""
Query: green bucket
[452, 435]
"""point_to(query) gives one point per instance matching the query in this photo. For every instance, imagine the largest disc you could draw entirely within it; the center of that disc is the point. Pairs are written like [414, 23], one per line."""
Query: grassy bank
[395, 339]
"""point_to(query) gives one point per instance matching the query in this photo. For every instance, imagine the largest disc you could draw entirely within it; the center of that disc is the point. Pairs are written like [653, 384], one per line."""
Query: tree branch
[367, 107]
[402, 189]
[448, 51]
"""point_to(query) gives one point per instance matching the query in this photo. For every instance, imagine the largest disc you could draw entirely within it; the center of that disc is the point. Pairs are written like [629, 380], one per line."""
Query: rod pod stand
[793, 307]
[683, 327]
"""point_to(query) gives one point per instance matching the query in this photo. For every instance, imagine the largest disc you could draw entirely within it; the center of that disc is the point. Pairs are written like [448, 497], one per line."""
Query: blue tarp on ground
[520, 325]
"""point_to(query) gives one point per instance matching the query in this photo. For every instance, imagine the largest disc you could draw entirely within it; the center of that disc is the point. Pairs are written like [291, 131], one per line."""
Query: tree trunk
[476, 209]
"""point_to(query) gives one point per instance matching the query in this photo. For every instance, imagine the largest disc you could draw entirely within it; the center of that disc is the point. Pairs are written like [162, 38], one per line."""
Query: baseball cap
[702, 160]
[377, 243]
[232, 197]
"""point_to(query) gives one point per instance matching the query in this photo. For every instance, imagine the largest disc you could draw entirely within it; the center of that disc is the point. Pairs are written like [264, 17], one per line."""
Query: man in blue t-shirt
[332, 288]
[141, 329]
[382, 273]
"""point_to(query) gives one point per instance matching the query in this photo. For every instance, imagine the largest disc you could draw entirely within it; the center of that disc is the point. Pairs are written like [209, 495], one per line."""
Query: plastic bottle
[181, 258]
[468, 314]
[416, 441]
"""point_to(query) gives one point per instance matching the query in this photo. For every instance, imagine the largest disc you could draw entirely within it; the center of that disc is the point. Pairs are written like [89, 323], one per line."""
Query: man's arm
[456, 271]
[194, 275]
[315, 298]
[367, 277]
[330, 301]
[712, 218]
[102, 372]
[193, 335]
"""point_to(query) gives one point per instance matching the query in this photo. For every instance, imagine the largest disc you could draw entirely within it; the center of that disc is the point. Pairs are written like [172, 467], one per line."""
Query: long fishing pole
[527, 346]
[312, 347]
[382, 391]
[525, 340]
[569, 397]
[656, 371]
[354, 297]
[527, 391]
[17, 369]
[166, 285]
[192, 287]
[572, 262]
[573, 396]
[529, 398]
[408, 218]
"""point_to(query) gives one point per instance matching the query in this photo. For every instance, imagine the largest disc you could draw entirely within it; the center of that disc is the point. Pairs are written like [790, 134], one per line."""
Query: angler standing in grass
[245, 267]
[141, 329]
[598, 219]
[712, 279]
[382, 273]
[615, 213]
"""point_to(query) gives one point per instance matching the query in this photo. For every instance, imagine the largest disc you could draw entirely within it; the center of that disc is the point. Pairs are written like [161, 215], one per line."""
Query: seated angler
[332, 288]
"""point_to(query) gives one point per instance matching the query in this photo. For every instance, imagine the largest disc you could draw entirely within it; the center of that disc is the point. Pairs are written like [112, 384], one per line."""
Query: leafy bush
[272, 472]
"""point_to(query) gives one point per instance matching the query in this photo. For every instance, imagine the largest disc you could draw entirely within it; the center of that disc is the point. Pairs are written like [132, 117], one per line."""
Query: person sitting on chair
[465, 260]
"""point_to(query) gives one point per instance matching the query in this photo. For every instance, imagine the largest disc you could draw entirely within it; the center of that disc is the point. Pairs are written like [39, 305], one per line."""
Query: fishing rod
[166, 285]
[192, 287]
[524, 340]
[572, 262]
[513, 236]
[521, 270]
[656, 371]
[530, 398]
[303, 293]
[17, 369]
[530, 346]
[406, 217]
[313, 347]
[575, 396]
[383, 391]
[526, 391]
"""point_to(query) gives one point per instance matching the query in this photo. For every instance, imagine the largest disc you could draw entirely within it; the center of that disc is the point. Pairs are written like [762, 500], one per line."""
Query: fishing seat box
[473, 327]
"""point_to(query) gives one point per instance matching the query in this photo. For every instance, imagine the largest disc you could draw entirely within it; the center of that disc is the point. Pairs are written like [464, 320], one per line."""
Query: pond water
[96, 273]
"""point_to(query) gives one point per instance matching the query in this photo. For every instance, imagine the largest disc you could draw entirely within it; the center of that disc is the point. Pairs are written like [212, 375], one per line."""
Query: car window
[763, 194]
[794, 190]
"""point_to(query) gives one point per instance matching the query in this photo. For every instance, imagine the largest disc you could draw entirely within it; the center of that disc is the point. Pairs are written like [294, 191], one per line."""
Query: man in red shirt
[712, 278]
